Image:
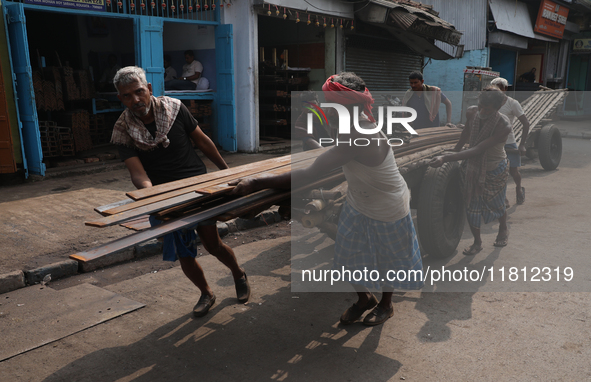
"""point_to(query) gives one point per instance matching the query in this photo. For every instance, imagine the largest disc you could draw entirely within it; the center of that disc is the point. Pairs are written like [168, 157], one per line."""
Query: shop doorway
[528, 62]
[292, 58]
[72, 65]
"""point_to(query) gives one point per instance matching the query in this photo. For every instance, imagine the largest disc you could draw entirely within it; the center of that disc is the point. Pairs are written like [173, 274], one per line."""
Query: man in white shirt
[512, 109]
[191, 78]
[169, 72]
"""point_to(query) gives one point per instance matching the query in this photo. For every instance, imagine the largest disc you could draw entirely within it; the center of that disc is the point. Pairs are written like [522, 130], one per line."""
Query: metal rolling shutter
[384, 65]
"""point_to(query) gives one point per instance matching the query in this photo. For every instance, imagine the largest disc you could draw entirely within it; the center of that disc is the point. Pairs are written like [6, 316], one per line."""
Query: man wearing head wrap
[486, 166]
[375, 229]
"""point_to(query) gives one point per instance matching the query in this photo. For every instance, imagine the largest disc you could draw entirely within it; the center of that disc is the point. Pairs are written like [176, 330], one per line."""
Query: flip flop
[472, 250]
[501, 242]
[521, 200]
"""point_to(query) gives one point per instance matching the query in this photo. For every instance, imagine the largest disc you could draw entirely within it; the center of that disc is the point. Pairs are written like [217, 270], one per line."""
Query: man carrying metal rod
[486, 166]
[375, 230]
[155, 137]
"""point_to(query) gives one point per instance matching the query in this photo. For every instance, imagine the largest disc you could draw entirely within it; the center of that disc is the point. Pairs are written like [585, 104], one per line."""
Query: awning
[514, 16]
[507, 40]
[415, 27]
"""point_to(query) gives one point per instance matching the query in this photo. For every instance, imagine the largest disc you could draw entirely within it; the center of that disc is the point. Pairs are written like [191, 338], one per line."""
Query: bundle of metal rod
[188, 201]
[538, 107]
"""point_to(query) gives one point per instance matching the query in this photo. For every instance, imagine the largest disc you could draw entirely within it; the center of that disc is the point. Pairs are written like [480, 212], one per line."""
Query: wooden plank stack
[71, 91]
[99, 130]
[200, 109]
[82, 79]
[56, 140]
[185, 202]
[49, 144]
[79, 123]
[52, 75]
[38, 89]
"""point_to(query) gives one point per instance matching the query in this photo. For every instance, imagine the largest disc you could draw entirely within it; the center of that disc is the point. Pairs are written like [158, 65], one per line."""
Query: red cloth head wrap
[337, 93]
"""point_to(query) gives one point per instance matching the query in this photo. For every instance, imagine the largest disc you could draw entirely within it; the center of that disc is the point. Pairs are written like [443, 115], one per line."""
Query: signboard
[551, 19]
[88, 5]
[582, 45]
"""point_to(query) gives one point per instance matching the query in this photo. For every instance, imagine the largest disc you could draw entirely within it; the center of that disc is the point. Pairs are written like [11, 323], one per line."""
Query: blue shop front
[62, 52]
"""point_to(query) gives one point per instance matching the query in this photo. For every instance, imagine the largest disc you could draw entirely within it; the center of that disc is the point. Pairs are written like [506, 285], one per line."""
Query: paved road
[285, 336]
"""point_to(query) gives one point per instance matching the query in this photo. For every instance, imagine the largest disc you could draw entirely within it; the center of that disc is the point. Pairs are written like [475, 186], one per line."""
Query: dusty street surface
[285, 336]
[43, 222]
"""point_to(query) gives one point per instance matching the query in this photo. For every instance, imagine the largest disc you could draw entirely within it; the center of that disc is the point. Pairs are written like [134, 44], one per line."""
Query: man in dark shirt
[154, 135]
[425, 100]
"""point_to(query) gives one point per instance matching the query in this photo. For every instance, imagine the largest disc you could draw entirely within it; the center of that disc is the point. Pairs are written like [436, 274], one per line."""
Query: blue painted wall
[503, 61]
[449, 76]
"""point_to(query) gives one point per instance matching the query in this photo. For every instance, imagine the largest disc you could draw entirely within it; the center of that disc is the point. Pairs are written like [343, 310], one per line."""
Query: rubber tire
[550, 147]
[440, 212]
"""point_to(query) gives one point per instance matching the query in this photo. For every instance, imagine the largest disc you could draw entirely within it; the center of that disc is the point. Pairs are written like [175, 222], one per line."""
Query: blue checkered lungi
[385, 247]
[491, 204]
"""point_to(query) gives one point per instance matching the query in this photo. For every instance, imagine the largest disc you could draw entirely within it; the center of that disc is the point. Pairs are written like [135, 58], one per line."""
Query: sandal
[472, 250]
[507, 205]
[203, 305]
[355, 311]
[378, 316]
[521, 199]
[502, 242]
[242, 289]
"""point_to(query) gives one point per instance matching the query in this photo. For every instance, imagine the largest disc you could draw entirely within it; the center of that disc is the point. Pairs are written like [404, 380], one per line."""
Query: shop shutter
[384, 65]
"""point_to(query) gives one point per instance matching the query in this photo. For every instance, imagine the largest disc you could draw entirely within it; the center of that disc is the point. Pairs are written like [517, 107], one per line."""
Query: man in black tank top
[155, 138]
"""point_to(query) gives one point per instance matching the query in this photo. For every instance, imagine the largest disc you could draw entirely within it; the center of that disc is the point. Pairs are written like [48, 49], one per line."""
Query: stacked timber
[83, 82]
[71, 91]
[100, 133]
[38, 89]
[79, 123]
[52, 75]
[55, 140]
[200, 109]
[186, 202]
[49, 143]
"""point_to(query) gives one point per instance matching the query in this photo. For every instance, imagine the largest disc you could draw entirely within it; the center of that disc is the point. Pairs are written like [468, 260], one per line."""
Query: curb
[20, 279]
[580, 135]
[11, 281]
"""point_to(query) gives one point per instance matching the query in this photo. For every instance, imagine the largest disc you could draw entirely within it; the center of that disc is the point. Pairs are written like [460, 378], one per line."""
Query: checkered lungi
[365, 243]
[491, 205]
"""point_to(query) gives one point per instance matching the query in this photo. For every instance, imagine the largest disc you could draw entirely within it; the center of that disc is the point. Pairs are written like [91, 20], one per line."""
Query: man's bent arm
[526, 126]
[208, 148]
[500, 135]
[139, 178]
[447, 104]
[465, 136]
